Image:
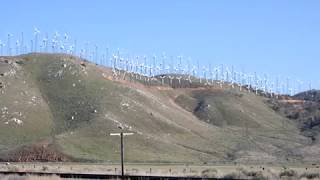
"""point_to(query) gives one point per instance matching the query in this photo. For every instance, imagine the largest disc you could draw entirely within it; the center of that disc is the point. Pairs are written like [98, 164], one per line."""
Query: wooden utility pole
[121, 151]
[121, 134]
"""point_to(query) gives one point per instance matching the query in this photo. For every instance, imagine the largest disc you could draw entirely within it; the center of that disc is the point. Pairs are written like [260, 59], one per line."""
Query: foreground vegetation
[204, 171]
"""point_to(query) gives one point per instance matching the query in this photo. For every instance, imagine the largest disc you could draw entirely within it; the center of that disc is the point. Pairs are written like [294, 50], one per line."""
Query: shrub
[288, 173]
[310, 175]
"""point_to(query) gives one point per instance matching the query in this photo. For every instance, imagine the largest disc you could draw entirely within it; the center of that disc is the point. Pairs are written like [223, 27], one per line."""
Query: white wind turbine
[163, 67]
[240, 80]
[2, 45]
[17, 47]
[194, 72]
[300, 84]
[256, 81]
[55, 41]
[211, 74]
[189, 75]
[222, 77]
[74, 50]
[189, 65]
[141, 69]
[96, 56]
[171, 79]
[82, 54]
[152, 66]
[65, 42]
[114, 66]
[22, 43]
[70, 49]
[199, 70]
[136, 67]
[226, 74]
[216, 71]
[288, 85]
[232, 77]
[86, 50]
[132, 67]
[265, 84]
[106, 55]
[204, 71]
[277, 87]
[9, 44]
[159, 70]
[271, 91]
[45, 43]
[36, 36]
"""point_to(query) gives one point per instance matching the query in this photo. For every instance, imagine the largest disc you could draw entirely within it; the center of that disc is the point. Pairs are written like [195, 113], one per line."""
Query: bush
[231, 176]
[310, 175]
[209, 173]
[253, 174]
[288, 173]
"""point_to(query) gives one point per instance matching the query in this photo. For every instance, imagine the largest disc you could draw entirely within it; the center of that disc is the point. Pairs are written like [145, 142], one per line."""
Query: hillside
[312, 95]
[55, 107]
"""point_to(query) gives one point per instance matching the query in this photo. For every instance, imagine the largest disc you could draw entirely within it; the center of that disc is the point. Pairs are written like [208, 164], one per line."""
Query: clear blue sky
[278, 37]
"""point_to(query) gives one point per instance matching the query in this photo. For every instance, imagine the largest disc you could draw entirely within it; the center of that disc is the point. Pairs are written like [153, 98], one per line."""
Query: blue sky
[277, 37]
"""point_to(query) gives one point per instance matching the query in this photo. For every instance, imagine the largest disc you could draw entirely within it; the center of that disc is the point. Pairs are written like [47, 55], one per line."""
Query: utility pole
[121, 151]
[121, 134]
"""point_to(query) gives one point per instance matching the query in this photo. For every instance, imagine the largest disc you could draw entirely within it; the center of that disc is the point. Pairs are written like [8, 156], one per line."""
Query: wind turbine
[2, 45]
[107, 56]
[22, 43]
[9, 44]
[288, 85]
[55, 41]
[241, 80]
[300, 84]
[31, 45]
[36, 34]
[114, 67]
[136, 67]
[256, 81]
[232, 77]
[204, 71]
[53, 45]
[222, 73]
[216, 69]
[277, 88]
[310, 86]
[82, 54]
[74, 47]
[65, 42]
[62, 48]
[171, 80]
[194, 72]
[17, 47]
[45, 43]
[96, 57]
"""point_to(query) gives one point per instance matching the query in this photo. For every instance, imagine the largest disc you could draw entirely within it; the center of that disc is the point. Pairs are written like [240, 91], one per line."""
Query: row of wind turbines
[167, 68]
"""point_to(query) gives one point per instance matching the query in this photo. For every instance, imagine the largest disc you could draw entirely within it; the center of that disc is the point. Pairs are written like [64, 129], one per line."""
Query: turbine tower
[36, 36]
[9, 44]
[22, 43]
[2, 45]
[17, 47]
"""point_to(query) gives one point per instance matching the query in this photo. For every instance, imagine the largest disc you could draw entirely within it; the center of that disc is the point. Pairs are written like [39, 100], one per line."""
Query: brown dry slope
[70, 106]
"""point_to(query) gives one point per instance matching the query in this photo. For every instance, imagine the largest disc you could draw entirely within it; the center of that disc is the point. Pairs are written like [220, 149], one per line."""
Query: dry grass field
[204, 171]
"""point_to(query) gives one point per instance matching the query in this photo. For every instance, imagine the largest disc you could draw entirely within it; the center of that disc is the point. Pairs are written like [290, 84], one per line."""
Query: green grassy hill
[61, 108]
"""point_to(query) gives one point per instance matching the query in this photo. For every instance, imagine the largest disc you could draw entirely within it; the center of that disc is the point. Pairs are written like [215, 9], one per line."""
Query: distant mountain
[312, 95]
[304, 110]
[55, 107]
